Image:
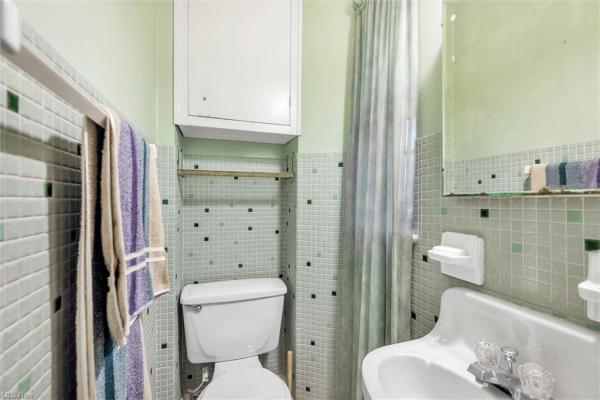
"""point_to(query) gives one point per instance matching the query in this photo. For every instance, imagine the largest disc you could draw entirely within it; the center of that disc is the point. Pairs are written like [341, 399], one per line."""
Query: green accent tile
[517, 248]
[314, 170]
[444, 211]
[1, 232]
[318, 254]
[592, 244]
[484, 213]
[235, 242]
[425, 258]
[211, 262]
[48, 189]
[12, 101]
[574, 216]
[25, 384]
[165, 201]
[221, 224]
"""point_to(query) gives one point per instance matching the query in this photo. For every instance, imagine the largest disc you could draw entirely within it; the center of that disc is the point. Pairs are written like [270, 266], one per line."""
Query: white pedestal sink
[435, 366]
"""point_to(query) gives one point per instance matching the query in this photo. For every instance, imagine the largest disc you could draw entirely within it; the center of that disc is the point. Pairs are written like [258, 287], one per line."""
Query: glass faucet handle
[536, 381]
[487, 353]
[510, 353]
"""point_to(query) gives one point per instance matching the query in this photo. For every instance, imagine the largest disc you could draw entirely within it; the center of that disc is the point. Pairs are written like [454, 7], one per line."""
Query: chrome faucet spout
[501, 378]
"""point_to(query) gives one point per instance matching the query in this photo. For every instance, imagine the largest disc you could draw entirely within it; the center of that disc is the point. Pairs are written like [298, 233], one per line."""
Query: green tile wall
[534, 246]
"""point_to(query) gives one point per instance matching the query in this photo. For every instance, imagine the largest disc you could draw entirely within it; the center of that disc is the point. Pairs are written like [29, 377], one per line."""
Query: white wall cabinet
[237, 69]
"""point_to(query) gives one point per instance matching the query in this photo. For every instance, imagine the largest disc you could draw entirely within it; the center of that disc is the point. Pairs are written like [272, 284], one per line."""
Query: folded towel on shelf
[590, 174]
[562, 173]
[537, 177]
[158, 262]
[552, 176]
[573, 175]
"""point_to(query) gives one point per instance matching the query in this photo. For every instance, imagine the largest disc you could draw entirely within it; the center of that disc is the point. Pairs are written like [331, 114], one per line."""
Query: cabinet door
[239, 61]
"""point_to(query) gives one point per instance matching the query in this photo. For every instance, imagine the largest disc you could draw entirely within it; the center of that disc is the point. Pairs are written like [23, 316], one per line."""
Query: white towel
[157, 257]
[537, 177]
[112, 241]
[84, 323]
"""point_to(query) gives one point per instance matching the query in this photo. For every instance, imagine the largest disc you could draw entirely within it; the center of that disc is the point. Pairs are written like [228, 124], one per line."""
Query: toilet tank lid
[235, 290]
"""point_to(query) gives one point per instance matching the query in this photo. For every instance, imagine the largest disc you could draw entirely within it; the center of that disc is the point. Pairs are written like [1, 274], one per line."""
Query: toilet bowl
[230, 323]
[245, 379]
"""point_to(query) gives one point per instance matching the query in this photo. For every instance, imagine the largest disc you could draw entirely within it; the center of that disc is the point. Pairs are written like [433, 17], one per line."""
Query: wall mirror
[521, 96]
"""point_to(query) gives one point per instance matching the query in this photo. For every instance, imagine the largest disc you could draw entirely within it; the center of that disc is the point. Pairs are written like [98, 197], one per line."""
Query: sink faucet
[501, 377]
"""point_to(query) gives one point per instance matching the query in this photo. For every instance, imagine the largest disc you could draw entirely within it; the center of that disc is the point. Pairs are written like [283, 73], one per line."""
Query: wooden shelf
[252, 174]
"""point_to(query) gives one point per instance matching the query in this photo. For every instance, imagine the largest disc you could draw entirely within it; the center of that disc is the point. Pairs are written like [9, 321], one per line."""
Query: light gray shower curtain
[380, 169]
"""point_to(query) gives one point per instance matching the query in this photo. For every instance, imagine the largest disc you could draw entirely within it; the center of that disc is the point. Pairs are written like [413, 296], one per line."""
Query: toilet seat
[247, 384]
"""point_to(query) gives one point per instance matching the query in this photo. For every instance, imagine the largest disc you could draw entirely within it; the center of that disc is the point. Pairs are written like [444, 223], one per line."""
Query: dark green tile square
[592, 244]
[48, 189]
[444, 211]
[484, 213]
[425, 258]
[165, 201]
[12, 101]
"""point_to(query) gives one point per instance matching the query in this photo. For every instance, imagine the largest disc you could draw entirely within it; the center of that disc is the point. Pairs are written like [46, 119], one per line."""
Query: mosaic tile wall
[167, 375]
[504, 173]
[290, 191]
[318, 263]
[233, 228]
[39, 221]
[534, 246]
[39, 230]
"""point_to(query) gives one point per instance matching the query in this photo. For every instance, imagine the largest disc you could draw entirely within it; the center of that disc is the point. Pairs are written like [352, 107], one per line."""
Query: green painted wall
[167, 133]
[327, 37]
[111, 43]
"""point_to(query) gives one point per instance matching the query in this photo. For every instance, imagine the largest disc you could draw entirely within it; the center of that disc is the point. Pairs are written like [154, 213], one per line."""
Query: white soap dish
[450, 255]
[589, 290]
[461, 256]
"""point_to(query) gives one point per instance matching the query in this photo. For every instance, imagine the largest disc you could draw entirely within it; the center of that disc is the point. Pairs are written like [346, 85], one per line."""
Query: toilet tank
[229, 320]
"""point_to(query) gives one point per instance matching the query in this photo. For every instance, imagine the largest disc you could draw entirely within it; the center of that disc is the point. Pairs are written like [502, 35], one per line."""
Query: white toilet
[230, 323]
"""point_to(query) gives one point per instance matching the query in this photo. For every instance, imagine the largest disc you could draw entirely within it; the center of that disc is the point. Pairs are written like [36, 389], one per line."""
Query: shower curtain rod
[14, 50]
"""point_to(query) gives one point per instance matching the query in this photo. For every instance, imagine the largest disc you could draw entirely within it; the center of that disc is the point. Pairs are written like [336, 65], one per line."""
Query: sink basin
[435, 366]
[406, 376]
